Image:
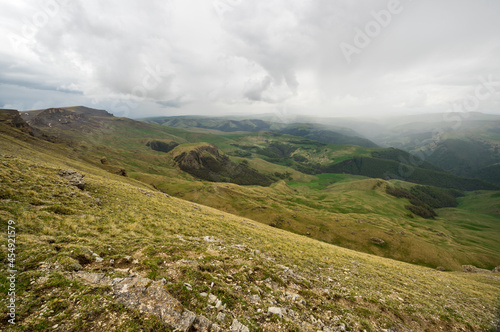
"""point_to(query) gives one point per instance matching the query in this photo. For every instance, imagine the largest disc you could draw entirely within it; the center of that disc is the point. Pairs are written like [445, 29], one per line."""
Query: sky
[220, 57]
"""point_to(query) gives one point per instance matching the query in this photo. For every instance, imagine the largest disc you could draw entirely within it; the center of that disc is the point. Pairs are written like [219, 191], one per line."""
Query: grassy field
[341, 209]
[58, 227]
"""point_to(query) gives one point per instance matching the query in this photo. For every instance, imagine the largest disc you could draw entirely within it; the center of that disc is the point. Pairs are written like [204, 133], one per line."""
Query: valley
[337, 242]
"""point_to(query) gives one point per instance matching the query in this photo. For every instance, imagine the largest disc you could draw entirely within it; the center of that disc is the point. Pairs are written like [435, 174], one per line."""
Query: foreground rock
[75, 179]
[152, 297]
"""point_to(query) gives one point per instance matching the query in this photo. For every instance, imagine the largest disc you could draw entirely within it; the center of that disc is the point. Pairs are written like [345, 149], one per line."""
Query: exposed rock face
[377, 241]
[69, 117]
[208, 163]
[238, 327]
[75, 179]
[473, 269]
[152, 297]
[13, 119]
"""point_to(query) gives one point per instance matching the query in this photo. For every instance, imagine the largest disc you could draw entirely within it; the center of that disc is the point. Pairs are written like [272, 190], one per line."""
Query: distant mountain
[329, 134]
[461, 143]
[325, 135]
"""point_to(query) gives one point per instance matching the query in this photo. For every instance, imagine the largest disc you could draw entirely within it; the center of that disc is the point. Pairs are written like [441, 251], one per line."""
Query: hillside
[466, 144]
[325, 134]
[77, 251]
[298, 199]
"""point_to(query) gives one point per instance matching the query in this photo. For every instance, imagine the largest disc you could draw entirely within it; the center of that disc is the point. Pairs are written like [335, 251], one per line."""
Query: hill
[298, 199]
[326, 134]
[103, 258]
[466, 144]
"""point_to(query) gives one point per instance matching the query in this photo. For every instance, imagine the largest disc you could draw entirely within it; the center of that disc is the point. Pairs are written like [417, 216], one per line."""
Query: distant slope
[464, 157]
[320, 133]
[466, 144]
[489, 173]
[324, 135]
[390, 169]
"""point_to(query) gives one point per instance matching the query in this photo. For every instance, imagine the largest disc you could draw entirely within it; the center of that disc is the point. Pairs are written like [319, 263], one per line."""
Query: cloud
[227, 56]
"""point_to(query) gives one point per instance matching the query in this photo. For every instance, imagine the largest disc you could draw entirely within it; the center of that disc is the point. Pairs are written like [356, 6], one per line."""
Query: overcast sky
[314, 57]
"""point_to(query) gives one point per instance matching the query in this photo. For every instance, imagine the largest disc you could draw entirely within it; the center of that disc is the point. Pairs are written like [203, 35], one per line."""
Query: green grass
[342, 209]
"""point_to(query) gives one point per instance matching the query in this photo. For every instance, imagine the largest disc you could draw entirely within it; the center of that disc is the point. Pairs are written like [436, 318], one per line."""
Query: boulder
[75, 179]
[275, 311]
[152, 297]
[377, 241]
[473, 269]
[238, 327]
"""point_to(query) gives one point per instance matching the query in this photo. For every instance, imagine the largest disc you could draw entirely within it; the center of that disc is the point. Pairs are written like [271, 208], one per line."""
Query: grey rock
[238, 327]
[275, 311]
[496, 270]
[254, 298]
[188, 286]
[473, 269]
[219, 306]
[212, 298]
[221, 317]
[377, 241]
[201, 323]
[152, 297]
[93, 278]
[75, 179]
[441, 268]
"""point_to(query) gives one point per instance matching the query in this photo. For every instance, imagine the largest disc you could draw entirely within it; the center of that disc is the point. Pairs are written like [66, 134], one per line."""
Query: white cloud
[236, 56]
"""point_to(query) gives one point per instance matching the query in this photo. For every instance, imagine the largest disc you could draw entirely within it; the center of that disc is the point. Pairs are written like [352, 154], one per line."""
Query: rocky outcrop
[151, 297]
[14, 119]
[473, 269]
[67, 117]
[74, 178]
[206, 162]
[377, 241]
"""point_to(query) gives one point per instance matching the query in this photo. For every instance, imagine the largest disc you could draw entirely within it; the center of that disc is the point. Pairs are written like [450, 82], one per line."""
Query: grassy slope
[55, 222]
[345, 215]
